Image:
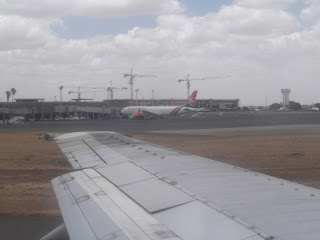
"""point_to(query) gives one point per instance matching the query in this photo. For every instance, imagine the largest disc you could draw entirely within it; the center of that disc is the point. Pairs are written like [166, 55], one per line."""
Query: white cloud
[93, 8]
[19, 33]
[263, 49]
[263, 4]
[312, 11]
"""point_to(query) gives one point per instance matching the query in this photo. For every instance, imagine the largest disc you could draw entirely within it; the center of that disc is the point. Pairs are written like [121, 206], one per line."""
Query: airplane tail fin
[190, 102]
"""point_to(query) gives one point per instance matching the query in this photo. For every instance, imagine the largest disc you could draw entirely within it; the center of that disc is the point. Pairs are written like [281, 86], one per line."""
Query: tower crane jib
[188, 79]
[111, 89]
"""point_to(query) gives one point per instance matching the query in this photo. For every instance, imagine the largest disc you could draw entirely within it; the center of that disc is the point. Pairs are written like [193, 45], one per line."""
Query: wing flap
[124, 173]
[156, 195]
[195, 220]
[76, 223]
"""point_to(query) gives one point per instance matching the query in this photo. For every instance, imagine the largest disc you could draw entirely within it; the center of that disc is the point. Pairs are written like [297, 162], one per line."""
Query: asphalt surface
[211, 120]
[247, 131]
[230, 123]
[27, 227]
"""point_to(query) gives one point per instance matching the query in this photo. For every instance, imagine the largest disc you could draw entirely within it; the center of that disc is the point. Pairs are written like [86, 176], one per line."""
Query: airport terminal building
[37, 108]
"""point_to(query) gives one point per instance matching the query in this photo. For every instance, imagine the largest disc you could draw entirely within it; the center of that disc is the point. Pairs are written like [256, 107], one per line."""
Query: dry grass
[27, 164]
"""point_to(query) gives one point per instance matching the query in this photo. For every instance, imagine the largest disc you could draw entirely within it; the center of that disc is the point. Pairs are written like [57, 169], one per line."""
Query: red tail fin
[191, 100]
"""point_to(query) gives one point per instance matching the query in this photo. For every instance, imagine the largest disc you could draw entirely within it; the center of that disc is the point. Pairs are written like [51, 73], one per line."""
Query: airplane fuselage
[158, 110]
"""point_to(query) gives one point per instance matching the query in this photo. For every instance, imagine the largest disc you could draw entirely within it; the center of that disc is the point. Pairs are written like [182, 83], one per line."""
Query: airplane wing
[196, 109]
[198, 115]
[144, 113]
[125, 188]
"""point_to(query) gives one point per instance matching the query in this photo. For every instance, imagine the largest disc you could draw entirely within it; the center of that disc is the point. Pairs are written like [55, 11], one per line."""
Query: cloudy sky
[263, 45]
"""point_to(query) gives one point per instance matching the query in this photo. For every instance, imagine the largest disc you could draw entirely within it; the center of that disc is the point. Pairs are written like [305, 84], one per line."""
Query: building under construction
[39, 109]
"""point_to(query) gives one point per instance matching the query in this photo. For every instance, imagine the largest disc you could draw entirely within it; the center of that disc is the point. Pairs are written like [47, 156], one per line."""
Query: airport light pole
[60, 88]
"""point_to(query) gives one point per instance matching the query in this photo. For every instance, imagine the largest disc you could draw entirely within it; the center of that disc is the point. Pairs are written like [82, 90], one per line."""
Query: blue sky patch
[295, 8]
[202, 7]
[80, 27]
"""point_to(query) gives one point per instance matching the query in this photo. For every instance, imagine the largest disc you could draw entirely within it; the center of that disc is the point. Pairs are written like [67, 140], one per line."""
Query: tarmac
[211, 120]
[229, 124]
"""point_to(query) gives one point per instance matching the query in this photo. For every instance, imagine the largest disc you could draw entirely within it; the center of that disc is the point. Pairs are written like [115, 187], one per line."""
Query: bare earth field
[27, 164]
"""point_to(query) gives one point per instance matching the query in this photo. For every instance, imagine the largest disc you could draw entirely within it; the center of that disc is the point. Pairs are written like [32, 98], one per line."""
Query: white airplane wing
[130, 189]
[145, 114]
[196, 109]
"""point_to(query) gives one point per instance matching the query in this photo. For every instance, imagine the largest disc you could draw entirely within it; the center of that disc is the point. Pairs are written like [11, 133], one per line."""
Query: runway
[211, 120]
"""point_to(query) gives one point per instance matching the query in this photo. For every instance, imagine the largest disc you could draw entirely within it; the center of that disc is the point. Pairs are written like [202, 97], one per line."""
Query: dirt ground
[292, 157]
[27, 164]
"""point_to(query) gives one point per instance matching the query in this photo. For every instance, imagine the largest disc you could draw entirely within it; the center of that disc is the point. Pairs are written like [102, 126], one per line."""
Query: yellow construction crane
[111, 89]
[188, 79]
[132, 76]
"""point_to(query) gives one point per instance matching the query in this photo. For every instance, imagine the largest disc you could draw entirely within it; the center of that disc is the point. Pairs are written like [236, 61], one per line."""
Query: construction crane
[78, 99]
[111, 89]
[137, 90]
[132, 76]
[188, 79]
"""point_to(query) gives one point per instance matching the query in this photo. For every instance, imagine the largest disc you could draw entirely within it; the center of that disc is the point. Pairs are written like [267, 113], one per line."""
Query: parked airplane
[159, 111]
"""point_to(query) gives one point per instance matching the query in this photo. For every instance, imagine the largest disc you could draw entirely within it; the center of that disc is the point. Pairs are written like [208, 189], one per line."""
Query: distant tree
[275, 106]
[8, 95]
[294, 106]
[13, 91]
